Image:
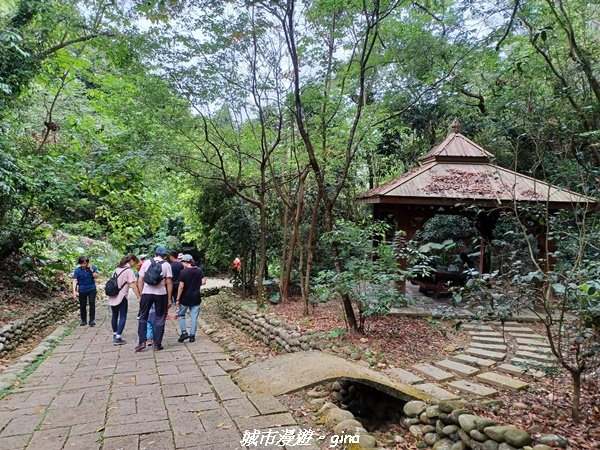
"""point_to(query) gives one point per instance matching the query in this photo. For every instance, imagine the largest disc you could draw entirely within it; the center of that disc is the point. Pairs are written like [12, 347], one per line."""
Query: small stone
[468, 422]
[449, 429]
[447, 406]
[398, 439]
[367, 441]
[459, 446]
[336, 386]
[542, 447]
[428, 429]
[415, 430]
[326, 407]
[478, 436]
[553, 440]
[414, 408]
[231, 347]
[505, 446]
[454, 415]
[433, 412]
[490, 445]
[316, 403]
[519, 405]
[484, 422]
[431, 438]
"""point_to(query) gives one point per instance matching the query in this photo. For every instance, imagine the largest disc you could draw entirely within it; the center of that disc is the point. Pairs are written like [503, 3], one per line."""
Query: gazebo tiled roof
[459, 171]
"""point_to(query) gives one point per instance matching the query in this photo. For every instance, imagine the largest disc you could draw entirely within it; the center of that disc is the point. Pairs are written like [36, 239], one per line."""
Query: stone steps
[532, 364]
[404, 376]
[528, 336]
[512, 330]
[488, 339]
[535, 342]
[535, 356]
[472, 388]
[519, 371]
[435, 391]
[491, 347]
[486, 334]
[485, 353]
[502, 381]
[433, 372]
[456, 367]
[476, 326]
[472, 360]
[535, 349]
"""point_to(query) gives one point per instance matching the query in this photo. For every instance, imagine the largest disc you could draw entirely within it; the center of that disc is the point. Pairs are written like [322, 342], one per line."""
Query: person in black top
[176, 268]
[188, 297]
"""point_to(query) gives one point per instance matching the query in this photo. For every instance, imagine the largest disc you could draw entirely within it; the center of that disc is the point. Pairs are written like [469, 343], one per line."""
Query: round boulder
[414, 408]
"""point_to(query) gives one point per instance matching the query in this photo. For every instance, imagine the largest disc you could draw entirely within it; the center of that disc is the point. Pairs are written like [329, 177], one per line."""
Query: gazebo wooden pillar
[457, 177]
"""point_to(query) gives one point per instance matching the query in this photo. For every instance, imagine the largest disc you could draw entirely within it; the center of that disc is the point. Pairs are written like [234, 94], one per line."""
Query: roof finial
[455, 126]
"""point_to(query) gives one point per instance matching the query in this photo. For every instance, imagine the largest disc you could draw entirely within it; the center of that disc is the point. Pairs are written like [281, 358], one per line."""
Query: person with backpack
[188, 297]
[117, 289]
[155, 282]
[84, 288]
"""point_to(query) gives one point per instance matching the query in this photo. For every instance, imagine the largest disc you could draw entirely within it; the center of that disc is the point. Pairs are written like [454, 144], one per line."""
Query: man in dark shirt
[176, 268]
[188, 296]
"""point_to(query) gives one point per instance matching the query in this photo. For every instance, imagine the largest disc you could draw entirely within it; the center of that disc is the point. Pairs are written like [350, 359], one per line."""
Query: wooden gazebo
[457, 177]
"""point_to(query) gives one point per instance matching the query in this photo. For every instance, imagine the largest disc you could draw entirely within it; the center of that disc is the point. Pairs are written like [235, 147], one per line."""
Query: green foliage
[368, 274]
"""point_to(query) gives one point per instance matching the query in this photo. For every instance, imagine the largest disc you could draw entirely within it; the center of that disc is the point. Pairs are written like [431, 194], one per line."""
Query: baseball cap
[160, 250]
[187, 258]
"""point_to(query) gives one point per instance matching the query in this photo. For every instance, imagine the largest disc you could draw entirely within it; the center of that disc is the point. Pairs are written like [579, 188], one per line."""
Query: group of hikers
[169, 278]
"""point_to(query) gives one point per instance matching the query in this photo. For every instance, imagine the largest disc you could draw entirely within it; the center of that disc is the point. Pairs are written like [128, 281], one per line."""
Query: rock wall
[270, 330]
[14, 333]
[449, 426]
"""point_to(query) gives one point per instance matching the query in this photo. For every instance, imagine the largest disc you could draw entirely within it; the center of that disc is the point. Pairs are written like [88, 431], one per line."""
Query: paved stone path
[89, 394]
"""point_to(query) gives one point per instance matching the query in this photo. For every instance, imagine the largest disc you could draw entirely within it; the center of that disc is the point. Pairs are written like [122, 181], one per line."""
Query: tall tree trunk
[293, 239]
[284, 248]
[305, 281]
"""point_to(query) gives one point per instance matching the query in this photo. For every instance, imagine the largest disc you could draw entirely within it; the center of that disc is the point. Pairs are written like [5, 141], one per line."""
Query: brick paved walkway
[90, 395]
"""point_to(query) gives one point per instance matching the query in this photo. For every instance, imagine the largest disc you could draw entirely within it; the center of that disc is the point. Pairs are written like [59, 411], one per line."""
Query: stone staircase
[494, 360]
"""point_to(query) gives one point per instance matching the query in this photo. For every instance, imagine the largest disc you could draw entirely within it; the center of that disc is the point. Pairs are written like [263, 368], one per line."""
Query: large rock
[512, 435]
[348, 426]
[336, 416]
[414, 408]
[468, 422]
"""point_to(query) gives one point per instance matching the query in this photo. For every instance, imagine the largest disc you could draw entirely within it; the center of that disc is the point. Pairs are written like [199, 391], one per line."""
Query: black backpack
[153, 275]
[112, 287]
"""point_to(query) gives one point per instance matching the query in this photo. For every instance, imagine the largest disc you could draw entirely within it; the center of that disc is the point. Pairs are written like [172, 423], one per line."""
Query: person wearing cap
[188, 297]
[157, 295]
[176, 268]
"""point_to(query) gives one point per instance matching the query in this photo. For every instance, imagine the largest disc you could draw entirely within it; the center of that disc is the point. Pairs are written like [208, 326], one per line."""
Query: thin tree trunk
[293, 239]
[305, 282]
[283, 282]
[576, 396]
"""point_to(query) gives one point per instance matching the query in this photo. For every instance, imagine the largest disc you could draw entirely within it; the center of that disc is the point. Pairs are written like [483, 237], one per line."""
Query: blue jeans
[194, 313]
[119, 316]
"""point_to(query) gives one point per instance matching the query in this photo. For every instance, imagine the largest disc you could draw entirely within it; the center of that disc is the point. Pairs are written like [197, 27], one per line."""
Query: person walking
[176, 268]
[84, 288]
[188, 297]
[155, 282]
[125, 276]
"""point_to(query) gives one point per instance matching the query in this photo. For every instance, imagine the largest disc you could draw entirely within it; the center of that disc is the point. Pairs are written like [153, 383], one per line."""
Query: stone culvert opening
[373, 408]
